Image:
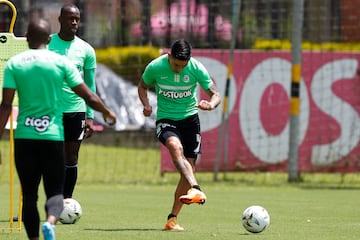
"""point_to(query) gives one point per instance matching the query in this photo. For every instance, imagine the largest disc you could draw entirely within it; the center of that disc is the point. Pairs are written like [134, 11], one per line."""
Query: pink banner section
[258, 132]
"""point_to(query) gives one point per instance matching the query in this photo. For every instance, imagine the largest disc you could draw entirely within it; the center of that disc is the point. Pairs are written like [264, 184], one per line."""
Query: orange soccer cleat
[173, 225]
[193, 196]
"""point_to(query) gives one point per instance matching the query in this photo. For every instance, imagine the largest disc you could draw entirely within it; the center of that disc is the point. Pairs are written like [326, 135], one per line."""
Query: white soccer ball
[255, 219]
[72, 211]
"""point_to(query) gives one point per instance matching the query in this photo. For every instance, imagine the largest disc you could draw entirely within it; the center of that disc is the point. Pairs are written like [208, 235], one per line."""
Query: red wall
[258, 118]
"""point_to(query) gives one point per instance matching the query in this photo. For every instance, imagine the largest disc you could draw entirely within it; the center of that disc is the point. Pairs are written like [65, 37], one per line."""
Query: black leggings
[36, 159]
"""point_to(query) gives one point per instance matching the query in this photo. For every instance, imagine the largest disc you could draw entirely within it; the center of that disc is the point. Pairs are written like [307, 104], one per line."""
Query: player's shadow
[124, 229]
[7, 220]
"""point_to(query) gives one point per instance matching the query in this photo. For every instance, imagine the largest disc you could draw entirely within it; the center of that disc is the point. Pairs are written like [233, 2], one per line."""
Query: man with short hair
[37, 75]
[78, 118]
[176, 76]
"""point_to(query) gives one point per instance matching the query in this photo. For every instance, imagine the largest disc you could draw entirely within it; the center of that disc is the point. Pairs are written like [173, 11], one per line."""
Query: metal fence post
[293, 171]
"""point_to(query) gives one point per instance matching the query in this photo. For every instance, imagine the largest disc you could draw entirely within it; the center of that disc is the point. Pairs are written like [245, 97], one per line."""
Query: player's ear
[49, 39]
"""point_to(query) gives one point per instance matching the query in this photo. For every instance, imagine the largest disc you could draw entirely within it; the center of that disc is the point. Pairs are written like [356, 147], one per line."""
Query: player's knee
[174, 144]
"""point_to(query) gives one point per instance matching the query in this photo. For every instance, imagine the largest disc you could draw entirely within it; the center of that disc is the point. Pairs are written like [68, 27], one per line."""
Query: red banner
[257, 137]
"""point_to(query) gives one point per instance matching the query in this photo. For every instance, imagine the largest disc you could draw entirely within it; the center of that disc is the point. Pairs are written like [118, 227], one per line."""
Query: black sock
[171, 216]
[197, 187]
[70, 180]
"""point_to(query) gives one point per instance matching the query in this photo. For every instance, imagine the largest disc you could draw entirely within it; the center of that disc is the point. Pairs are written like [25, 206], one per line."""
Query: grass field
[135, 205]
[139, 212]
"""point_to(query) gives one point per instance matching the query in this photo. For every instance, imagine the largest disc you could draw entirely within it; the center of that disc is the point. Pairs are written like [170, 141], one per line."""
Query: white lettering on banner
[329, 119]
[343, 112]
[218, 72]
[270, 149]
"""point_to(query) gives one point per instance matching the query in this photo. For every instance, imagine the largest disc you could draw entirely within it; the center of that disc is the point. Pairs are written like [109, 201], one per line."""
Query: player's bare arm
[89, 78]
[143, 95]
[6, 107]
[89, 127]
[95, 102]
[214, 101]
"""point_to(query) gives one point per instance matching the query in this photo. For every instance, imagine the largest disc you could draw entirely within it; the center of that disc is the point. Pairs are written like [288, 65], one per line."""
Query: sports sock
[196, 187]
[171, 216]
[54, 205]
[71, 173]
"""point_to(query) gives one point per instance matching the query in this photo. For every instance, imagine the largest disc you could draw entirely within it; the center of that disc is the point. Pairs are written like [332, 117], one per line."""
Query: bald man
[38, 76]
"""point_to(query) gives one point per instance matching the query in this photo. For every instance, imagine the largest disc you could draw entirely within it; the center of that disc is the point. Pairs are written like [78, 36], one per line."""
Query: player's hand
[205, 105]
[89, 127]
[147, 110]
[110, 118]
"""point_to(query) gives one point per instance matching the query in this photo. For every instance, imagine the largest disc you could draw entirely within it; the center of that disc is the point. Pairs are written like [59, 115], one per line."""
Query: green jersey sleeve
[9, 81]
[72, 75]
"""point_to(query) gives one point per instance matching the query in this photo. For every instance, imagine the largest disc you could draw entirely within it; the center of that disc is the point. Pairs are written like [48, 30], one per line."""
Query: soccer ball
[72, 211]
[255, 219]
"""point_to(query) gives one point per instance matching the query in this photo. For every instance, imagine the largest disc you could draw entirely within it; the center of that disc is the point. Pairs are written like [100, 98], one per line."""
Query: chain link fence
[206, 23]
[329, 88]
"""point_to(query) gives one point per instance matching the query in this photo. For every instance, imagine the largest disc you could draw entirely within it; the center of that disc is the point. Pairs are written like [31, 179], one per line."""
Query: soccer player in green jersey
[78, 118]
[176, 76]
[38, 76]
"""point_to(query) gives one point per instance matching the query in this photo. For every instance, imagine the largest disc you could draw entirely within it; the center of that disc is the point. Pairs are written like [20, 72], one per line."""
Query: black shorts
[74, 126]
[187, 130]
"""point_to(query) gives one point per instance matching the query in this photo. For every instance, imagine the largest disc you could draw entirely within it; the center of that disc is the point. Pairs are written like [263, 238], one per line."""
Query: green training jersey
[176, 92]
[38, 77]
[83, 56]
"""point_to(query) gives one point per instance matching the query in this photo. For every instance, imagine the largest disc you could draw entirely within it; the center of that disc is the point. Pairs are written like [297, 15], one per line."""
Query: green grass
[124, 196]
[139, 212]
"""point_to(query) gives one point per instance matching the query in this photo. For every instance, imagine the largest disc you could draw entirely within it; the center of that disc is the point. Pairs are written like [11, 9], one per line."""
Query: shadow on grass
[124, 229]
